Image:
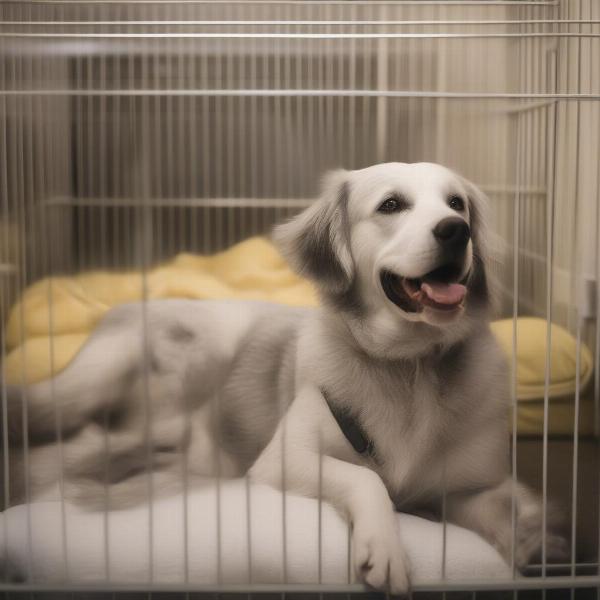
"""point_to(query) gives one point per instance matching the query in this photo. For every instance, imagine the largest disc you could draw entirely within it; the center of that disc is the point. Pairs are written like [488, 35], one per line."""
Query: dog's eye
[392, 204]
[456, 203]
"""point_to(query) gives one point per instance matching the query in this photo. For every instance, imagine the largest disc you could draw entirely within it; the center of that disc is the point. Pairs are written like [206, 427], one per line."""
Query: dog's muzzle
[439, 289]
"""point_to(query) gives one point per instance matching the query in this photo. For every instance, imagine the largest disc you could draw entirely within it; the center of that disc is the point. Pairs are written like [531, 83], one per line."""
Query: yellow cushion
[531, 342]
[71, 307]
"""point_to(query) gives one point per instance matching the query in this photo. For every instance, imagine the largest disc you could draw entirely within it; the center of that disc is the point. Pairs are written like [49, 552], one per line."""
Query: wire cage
[134, 131]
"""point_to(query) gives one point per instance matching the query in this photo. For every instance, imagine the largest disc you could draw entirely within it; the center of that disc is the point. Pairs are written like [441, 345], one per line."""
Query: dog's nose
[452, 233]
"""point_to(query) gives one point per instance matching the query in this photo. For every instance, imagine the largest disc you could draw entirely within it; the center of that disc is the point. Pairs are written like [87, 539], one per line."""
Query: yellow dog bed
[70, 307]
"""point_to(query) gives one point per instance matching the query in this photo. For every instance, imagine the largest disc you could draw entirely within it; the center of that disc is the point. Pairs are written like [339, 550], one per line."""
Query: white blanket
[54, 542]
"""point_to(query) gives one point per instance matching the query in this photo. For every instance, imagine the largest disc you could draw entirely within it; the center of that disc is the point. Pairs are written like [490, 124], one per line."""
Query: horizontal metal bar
[264, 203]
[181, 202]
[540, 3]
[519, 583]
[558, 566]
[314, 22]
[300, 36]
[304, 93]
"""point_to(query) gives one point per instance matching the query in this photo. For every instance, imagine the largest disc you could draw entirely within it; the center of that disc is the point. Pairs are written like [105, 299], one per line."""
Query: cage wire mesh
[134, 131]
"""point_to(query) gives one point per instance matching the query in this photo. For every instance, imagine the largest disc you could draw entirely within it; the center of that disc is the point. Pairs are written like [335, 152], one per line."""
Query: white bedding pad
[165, 542]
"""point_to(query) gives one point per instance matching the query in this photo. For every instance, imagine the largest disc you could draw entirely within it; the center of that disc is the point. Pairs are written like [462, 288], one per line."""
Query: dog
[392, 395]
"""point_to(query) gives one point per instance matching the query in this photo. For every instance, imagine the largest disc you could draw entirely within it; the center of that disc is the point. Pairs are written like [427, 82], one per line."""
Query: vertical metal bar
[310, 103]
[407, 81]
[538, 175]
[514, 399]
[531, 219]
[193, 166]
[248, 490]
[102, 190]
[320, 513]
[254, 148]
[364, 105]
[382, 84]
[221, 191]
[58, 408]
[288, 192]
[5, 289]
[597, 344]
[144, 216]
[266, 179]
[242, 189]
[21, 199]
[166, 169]
[159, 127]
[597, 333]
[441, 104]
[444, 520]
[215, 406]
[181, 141]
[218, 148]
[277, 115]
[128, 178]
[429, 147]
[576, 261]
[329, 47]
[194, 215]
[186, 53]
[353, 163]
[206, 165]
[231, 177]
[549, 284]
[94, 164]
[253, 227]
[88, 239]
[576, 448]
[79, 166]
[298, 124]
[214, 128]
[594, 48]
[117, 184]
[307, 111]
[342, 113]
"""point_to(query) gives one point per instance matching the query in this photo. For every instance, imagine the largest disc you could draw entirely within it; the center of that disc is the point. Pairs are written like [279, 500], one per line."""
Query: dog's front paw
[380, 560]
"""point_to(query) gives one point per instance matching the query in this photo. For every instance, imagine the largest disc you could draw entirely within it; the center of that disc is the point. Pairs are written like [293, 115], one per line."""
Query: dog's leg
[490, 514]
[355, 491]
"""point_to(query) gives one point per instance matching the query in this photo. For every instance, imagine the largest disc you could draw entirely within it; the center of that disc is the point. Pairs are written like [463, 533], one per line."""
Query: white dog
[392, 395]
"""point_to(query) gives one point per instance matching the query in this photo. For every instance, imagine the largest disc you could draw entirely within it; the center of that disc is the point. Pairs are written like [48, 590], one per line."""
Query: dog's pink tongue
[444, 293]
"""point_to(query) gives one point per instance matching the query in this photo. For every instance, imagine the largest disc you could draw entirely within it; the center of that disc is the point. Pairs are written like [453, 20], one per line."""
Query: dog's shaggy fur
[190, 389]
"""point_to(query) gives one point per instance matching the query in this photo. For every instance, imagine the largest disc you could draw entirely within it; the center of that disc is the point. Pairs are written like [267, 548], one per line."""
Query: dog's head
[396, 243]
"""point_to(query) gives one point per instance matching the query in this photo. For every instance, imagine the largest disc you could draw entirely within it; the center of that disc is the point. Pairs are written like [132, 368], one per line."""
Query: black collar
[351, 428]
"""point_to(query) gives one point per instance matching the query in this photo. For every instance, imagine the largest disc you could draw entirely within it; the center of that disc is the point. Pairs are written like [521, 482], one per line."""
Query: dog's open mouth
[439, 289]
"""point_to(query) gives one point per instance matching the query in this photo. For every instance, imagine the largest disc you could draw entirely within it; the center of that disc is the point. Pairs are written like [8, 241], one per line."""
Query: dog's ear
[478, 217]
[481, 280]
[316, 242]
